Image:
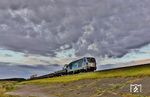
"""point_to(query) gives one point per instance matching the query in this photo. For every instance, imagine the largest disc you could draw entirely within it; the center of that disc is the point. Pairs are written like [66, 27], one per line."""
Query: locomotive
[85, 64]
[82, 65]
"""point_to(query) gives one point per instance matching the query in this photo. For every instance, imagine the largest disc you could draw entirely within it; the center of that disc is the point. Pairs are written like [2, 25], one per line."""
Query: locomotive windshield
[91, 60]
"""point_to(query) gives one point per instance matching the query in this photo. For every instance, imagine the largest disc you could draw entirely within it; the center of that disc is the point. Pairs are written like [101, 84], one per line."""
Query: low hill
[13, 79]
[110, 83]
[134, 71]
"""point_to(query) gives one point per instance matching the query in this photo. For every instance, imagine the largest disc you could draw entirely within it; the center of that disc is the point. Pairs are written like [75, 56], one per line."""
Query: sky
[35, 34]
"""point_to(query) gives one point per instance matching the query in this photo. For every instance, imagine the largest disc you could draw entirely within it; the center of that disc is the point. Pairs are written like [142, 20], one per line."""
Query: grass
[6, 86]
[124, 72]
[133, 95]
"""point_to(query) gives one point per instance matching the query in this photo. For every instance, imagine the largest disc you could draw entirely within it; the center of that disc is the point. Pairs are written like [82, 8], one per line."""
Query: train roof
[80, 59]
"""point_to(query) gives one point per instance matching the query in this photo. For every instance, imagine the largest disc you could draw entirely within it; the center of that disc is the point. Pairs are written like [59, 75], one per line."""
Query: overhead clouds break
[96, 27]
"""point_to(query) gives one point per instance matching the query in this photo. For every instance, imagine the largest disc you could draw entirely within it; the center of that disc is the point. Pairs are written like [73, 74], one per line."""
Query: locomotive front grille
[91, 64]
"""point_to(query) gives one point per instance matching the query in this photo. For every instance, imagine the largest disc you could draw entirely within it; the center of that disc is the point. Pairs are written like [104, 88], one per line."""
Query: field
[110, 83]
[138, 71]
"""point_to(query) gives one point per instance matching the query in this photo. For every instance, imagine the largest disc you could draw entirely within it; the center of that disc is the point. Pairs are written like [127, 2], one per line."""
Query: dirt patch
[30, 91]
[108, 87]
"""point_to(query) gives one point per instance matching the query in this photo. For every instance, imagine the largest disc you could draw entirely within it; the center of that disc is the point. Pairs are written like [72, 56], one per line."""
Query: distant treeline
[13, 79]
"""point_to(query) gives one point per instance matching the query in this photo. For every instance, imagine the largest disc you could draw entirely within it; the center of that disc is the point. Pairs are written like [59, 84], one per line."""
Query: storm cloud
[95, 27]
[9, 70]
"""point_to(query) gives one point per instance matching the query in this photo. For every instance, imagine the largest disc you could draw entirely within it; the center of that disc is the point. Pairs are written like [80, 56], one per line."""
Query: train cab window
[84, 60]
[80, 63]
[70, 66]
[74, 65]
[91, 60]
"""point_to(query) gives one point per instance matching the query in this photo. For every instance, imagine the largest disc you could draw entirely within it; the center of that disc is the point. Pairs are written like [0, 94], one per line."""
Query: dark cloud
[8, 70]
[97, 27]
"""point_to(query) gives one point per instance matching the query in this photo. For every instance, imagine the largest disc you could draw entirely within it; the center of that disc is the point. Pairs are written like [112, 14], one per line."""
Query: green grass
[125, 72]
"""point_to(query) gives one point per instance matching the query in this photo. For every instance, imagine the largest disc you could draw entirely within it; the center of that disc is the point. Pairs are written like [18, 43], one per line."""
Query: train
[82, 65]
[86, 64]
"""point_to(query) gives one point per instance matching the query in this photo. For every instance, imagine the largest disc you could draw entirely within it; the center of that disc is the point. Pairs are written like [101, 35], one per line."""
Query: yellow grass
[5, 87]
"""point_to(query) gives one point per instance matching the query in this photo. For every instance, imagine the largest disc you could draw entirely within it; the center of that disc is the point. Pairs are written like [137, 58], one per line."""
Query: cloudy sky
[35, 33]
